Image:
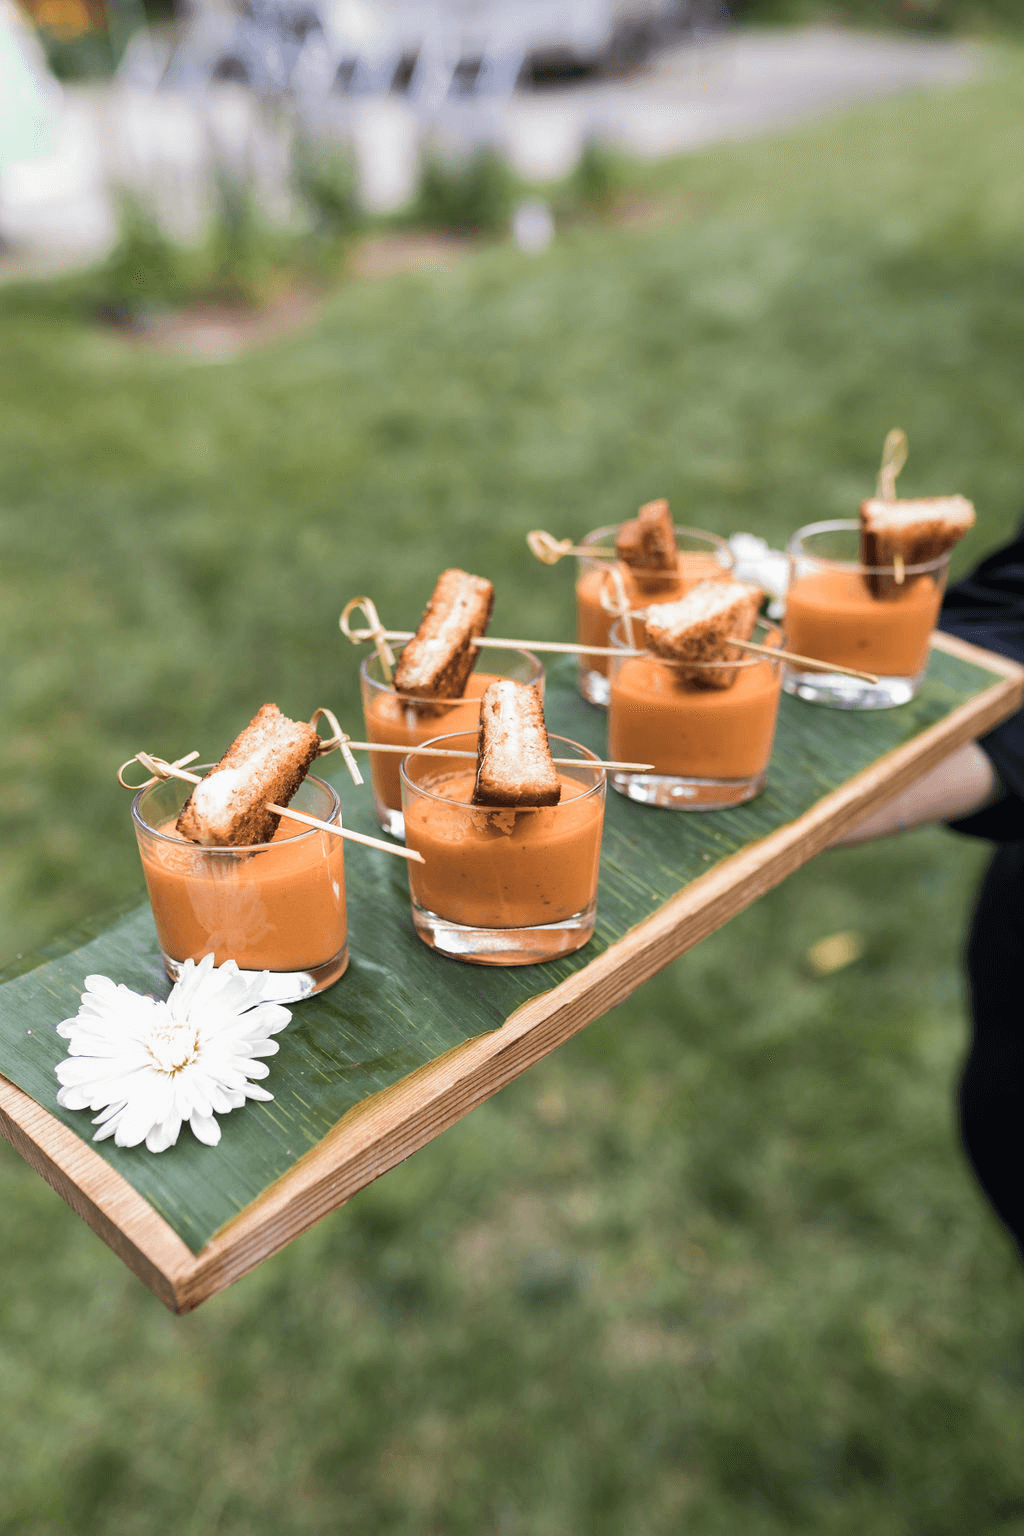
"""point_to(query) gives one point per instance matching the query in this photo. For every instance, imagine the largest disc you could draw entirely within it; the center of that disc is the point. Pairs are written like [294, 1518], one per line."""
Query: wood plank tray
[668, 880]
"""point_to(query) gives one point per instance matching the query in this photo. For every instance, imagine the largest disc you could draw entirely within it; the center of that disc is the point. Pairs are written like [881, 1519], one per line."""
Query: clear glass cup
[277, 906]
[858, 615]
[702, 557]
[405, 721]
[709, 745]
[502, 887]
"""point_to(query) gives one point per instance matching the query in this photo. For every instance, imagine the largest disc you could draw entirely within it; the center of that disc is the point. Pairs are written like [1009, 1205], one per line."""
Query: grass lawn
[718, 1265]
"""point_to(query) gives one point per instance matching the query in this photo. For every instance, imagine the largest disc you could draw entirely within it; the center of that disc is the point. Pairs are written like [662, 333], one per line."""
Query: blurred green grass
[971, 16]
[718, 1264]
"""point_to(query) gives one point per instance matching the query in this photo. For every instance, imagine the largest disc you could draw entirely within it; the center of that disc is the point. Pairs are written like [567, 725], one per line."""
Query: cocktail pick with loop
[894, 456]
[376, 632]
[549, 550]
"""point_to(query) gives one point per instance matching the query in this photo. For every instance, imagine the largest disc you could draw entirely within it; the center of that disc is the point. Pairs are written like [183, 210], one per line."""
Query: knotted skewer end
[547, 549]
[158, 769]
[894, 456]
[375, 632]
[339, 742]
[614, 599]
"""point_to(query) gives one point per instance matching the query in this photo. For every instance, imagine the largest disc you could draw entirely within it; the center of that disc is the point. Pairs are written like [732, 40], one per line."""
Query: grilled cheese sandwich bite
[914, 532]
[438, 659]
[514, 763]
[699, 627]
[647, 543]
[264, 765]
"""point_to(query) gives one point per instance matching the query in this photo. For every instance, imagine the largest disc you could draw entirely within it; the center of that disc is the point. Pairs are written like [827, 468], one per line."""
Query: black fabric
[987, 608]
[1000, 822]
[992, 1087]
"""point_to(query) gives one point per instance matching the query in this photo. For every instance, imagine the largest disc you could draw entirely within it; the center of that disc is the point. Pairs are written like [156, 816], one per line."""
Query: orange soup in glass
[833, 615]
[277, 906]
[702, 557]
[502, 887]
[402, 720]
[709, 746]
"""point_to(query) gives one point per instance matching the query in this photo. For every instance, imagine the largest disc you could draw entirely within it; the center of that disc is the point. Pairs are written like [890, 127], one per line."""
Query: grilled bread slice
[699, 627]
[439, 658]
[916, 531]
[648, 542]
[514, 765]
[265, 764]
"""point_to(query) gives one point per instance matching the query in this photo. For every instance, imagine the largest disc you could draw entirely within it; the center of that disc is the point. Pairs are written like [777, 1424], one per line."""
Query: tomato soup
[593, 623]
[831, 615]
[278, 907]
[498, 868]
[392, 719]
[698, 733]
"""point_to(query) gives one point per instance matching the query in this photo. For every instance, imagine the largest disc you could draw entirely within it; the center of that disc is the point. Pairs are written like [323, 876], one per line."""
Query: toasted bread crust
[514, 765]
[648, 541]
[266, 764]
[438, 659]
[700, 625]
[917, 531]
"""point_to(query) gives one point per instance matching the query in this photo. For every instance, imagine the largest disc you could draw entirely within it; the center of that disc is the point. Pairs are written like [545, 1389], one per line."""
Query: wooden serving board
[408, 1042]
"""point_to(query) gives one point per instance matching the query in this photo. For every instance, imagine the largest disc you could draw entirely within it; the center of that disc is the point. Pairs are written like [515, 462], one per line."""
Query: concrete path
[739, 86]
[59, 211]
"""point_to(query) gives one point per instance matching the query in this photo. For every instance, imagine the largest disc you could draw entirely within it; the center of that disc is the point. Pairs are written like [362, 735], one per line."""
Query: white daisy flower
[149, 1066]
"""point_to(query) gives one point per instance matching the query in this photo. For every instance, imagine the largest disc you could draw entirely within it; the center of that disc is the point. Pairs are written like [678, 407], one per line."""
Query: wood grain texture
[388, 1127]
[107, 1202]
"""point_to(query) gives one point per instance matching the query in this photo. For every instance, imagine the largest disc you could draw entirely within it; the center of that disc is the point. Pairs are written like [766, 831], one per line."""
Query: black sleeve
[987, 608]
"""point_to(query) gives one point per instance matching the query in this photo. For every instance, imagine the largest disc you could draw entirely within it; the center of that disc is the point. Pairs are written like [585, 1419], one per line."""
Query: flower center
[173, 1047]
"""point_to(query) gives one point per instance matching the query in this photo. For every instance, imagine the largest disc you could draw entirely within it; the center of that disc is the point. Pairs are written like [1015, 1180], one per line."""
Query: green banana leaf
[400, 1005]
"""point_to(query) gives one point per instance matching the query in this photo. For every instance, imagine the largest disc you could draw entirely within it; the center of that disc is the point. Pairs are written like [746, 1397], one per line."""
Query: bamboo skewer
[894, 456]
[338, 742]
[774, 652]
[559, 762]
[808, 663]
[570, 647]
[549, 550]
[163, 770]
[616, 600]
[576, 648]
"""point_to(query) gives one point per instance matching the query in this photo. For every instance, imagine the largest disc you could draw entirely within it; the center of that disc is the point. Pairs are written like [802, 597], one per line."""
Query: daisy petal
[205, 1128]
[160, 1137]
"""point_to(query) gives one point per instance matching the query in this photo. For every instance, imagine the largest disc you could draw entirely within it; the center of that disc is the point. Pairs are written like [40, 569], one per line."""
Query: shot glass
[502, 887]
[702, 557]
[707, 727]
[402, 720]
[277, 906]
[871, 617]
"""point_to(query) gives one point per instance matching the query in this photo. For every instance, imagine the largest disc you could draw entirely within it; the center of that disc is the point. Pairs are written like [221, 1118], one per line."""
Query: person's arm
[963, 783]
